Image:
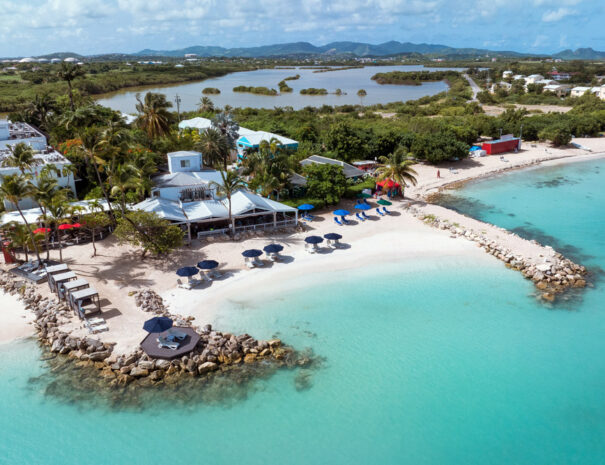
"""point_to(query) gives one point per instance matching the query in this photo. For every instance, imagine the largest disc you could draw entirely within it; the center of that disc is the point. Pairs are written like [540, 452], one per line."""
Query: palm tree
[231, 183]
[43, 192]
[40, 109]
[205, 105]
[58, 209]
[398, 167]
[213, 146]
[19, 236]
[21, 157]
[123, 178]
[69, 73]
[154, 117]
[14, 188]
[226, 125]
[90, 147]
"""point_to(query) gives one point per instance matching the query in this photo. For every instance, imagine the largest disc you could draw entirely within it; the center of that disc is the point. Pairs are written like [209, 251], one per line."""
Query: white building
[579, 91]
[507, 74]
[187, 196]
[558, 89]
[12, 134]
[533, 78]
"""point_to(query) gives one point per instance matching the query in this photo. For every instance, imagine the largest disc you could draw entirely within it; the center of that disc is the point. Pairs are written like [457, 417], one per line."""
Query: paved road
[476, 89]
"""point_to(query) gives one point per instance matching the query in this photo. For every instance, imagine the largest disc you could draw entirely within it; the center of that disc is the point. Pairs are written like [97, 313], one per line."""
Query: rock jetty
[216, 351]
[552, 275]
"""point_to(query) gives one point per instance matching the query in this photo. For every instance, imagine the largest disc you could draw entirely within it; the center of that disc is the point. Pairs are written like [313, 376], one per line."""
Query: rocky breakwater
[216, 352]
[553, 274]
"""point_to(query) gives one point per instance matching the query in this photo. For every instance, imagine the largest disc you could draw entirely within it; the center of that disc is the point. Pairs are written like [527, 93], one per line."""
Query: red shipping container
[501, 145]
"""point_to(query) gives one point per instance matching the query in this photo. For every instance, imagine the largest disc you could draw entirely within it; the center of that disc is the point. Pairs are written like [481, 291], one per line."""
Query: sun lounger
[274, 257]
[174, 334]
[384, 209]
[249, 263]
[359, 217]
[338, 222]
[258, 262]
[379, 212]
[164, 343]
[96, 325]
[183, 285]
[308, 217]
[215, 274]
[365, 216]
[345, 221]
[311, 248]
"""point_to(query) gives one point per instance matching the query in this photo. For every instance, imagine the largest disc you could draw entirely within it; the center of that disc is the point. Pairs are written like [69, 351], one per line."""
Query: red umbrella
[41, 230]
[387, 184]
[65, 226]
[76, 225]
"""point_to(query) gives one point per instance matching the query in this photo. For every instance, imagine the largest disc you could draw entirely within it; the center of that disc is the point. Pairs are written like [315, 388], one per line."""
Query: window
[185, 163]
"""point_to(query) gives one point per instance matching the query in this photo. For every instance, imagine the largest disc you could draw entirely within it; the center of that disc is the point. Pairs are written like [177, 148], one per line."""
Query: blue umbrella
[252, 253]
[273, 248]
[332, 236]
[342, 212]
[313, 239]
[207, 264]
[363, 206]
[187, 271]
[157, 324]
[306, 206]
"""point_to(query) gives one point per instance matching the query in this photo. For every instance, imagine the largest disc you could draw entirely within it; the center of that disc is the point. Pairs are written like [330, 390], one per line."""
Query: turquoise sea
[449, 361]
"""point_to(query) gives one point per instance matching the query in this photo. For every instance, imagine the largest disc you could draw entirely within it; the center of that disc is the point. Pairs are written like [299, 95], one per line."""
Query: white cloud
[557, 15]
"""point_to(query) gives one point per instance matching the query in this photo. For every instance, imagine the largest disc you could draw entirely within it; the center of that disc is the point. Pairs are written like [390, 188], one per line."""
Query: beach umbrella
[41, 230]
[187, 271]
[306, 207]
[76, 225]
[342, 212]
[363, 195]
[363, 206]
[250, 253]
[63, 227]
[157, 324]
[273, 248]
[314, 240]
[384, 202]
[207, 264]
[332, 236]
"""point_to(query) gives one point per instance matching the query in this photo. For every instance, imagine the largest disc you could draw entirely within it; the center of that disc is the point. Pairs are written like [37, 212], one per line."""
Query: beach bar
[507, 143]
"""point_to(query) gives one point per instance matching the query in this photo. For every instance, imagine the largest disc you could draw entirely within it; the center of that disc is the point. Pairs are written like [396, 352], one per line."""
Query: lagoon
[349, 81]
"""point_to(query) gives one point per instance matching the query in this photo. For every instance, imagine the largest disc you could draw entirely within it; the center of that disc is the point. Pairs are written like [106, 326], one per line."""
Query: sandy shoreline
[118, 270]
[16, 320]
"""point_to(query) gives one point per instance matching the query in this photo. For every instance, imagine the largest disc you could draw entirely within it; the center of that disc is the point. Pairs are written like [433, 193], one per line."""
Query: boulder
[139, 372]
[99, 356]
[250, 358]
[207, 367]
[146, 364]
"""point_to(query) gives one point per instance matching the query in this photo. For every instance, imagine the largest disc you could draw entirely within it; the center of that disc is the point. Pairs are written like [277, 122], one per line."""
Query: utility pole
[177, 99]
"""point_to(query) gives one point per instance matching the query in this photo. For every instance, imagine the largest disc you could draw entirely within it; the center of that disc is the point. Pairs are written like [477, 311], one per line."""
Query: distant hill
[580, 54]
[358, 49]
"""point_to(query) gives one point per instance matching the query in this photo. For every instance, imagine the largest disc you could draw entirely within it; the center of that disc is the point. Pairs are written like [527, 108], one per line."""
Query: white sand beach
[16, 320]
[118, 270]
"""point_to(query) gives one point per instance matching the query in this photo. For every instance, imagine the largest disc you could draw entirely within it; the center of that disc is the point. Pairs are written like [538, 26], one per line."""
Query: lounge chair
[384, 209]
[311, 248]
[359, 217]
[215, 274]
[379, 212]
[338, 222]
[249, 263]
[164, 343]
[365, 216]
[96, 325]
[345, 221]
[274, 257]
[308, 217]
[174, 334]
[258, 262]
[183, 285]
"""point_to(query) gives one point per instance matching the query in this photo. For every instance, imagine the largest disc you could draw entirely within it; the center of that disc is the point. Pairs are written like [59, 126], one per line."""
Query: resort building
[579, 91]
[507, 74]
[12, 134]
[15, 133]
[248, 140]
[349, 171]
[187, 196]
[533, 78]
[558, 89]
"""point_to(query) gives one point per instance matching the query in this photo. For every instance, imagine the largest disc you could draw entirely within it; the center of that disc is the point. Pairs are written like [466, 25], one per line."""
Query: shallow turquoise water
[426, 362]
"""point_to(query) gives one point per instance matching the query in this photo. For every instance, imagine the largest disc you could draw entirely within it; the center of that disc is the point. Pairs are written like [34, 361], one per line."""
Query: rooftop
[349, 170]
[43, 157]
[17, 131]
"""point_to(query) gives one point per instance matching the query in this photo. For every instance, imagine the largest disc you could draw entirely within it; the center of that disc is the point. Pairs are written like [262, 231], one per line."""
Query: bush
[353, 190]
[151, 234]
[557, 135]
[210, 91]
[325, 182]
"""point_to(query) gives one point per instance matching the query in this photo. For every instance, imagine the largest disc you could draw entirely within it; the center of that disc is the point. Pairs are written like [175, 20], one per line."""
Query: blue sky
[35, 27]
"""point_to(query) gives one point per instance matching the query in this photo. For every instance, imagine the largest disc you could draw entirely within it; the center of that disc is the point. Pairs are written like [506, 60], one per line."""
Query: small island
[313, 91]
[412, 78]
[210, 91]
[292, 78]
[255, 90]
[283, 87]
